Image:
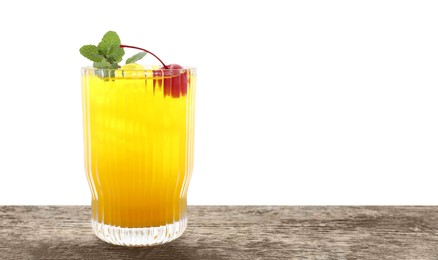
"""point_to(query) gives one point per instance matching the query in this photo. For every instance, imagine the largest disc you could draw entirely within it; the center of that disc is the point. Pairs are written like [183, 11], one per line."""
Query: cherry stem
[141, 49]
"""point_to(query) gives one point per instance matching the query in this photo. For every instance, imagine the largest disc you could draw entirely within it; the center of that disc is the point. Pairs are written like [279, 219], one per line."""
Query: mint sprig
[108, 53]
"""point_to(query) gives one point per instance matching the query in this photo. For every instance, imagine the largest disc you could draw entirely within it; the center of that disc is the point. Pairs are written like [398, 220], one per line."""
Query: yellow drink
[138, 146]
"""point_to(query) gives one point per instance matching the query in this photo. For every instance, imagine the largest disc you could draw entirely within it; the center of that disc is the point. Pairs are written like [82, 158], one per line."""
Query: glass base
[139, 236]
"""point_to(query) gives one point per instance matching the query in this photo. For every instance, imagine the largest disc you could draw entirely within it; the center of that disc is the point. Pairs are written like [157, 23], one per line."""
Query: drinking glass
[138, 140]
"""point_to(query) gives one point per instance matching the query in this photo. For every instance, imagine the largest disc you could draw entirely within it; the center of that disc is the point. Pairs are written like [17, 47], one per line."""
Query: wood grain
[233, 232]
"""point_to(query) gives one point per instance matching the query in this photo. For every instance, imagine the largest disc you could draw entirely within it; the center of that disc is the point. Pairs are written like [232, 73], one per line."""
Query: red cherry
[179, 80]
[174, 66]
[176, 85]
[175, 80]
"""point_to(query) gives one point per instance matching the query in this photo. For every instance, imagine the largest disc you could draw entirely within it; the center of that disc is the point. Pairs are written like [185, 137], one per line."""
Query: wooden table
[233, 232]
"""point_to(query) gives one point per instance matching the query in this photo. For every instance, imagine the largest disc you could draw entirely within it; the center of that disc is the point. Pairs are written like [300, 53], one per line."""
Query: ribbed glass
[138, 135]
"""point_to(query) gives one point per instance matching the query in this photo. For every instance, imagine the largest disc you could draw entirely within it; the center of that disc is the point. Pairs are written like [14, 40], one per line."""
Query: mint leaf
[102, 65]
[136, 57]
[91, 52]
[115, 53]
[110, 38]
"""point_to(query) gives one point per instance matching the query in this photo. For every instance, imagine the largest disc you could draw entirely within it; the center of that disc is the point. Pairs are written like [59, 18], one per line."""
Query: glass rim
[145, 68]
[148, 71]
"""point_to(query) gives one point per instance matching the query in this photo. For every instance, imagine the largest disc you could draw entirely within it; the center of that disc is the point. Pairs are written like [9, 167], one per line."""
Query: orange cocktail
[138, 128]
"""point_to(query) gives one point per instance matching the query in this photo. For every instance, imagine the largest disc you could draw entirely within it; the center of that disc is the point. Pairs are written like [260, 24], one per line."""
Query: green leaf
[91, 52]
[115, 53]
[136, 57]
[101, 65]
[103, 48]
[110, 38]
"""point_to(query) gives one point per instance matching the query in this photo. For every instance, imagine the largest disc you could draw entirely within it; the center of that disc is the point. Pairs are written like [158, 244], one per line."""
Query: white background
[298, 102]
